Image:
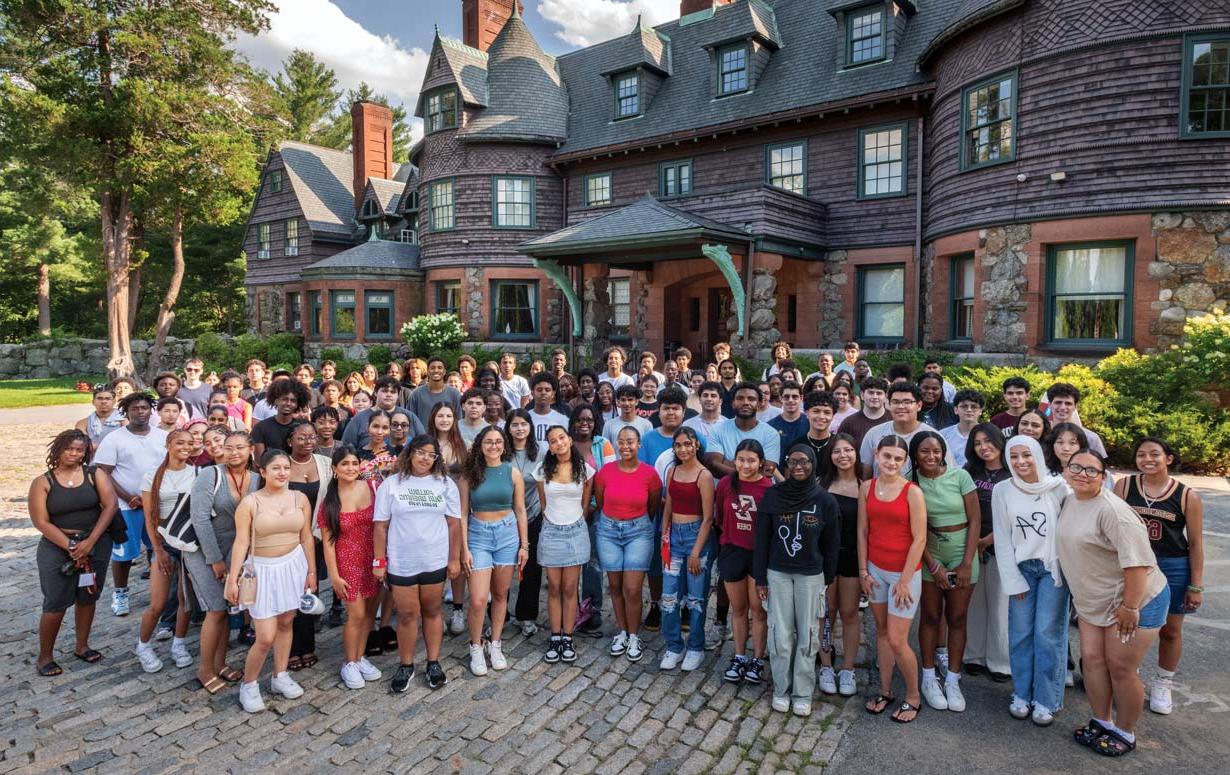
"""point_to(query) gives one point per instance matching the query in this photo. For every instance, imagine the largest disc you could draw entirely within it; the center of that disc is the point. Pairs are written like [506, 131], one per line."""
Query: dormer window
[732, 69]
[865, 35]
[442, 110]
[275, 182]
[412, 202]
[370, 209]
[627, 94]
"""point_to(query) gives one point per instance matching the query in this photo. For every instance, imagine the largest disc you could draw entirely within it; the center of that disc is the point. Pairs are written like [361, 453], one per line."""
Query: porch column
[720, 257]
[596, 308]
[552, 269]
[762, 329]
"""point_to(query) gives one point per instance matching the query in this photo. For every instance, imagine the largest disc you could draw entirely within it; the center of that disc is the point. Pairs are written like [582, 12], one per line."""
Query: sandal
[230, 675]
[388, 637]
[879, 704]
[905, 707]
[374, 648]
[1113, 744]
[50, 670]
[294, 663]
[1089, 734]
[89, 656]
[213, 685]
[308, 660]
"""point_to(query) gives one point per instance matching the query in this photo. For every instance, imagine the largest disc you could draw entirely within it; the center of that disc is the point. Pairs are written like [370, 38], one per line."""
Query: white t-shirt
[867, 453]
[619, 381]
[543, 422]
[131, 456]
[514, 390]
[416, 508]
[956, 442]
[614, 425]
[563, 506]
[174, 483]
[768, 413]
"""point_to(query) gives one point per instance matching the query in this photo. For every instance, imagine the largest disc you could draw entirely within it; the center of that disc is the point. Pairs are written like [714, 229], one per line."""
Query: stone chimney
[371, 144]
[482, 20]
[692, 6]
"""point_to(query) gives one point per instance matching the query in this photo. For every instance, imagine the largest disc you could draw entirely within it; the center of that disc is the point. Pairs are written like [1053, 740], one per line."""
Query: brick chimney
[692, 6]
[482, 20]
[371, 144]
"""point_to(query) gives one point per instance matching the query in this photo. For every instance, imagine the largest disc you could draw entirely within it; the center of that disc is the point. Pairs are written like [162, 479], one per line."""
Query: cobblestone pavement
[601, 714]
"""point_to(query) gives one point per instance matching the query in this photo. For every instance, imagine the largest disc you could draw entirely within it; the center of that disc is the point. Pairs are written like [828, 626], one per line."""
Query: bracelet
[383, 562]
[1127, 607]
[1195, 588]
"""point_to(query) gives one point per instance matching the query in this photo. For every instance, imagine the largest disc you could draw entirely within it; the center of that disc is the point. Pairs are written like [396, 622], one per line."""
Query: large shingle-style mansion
[1046, 177]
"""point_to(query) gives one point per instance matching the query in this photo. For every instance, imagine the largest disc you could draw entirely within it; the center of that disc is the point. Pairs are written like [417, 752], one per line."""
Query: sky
[386, 42]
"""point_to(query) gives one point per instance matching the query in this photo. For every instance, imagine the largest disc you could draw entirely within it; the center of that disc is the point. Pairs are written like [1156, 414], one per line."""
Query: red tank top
[685, 497]
[888, 529]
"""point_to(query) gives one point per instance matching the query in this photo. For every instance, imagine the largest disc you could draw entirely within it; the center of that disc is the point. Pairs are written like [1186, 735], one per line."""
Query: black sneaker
[591, 627]
[734, 673]
[753, 671]
[566, 652]
[653, 620]
[402, 678]
[247, 636]
[552, 654]
[435, 675]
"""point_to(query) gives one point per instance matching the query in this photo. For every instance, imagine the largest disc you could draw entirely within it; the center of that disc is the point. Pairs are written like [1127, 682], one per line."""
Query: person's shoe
[973, 668]
[862, 602]
[568, 652]
[478, 664]
[554, 647]
[653, 619]
[933, 693]
[1160, 700]
[715, 637]
[692, 660]
[952, 693]
[369, 671]
[119, 601]
[250, 697]
[941, 661]
[735, 672]
[181, 655]
[495, 653]
[1018, 708]
[164, 633]
[247, 636]
[528, 628]
[336, 616]
[781, 704]
[619, 644]
[670, 660]
[351, 676]
[457, 621]
[145, 574]
[1042, 717]
[435, 676]
[591, 627]
[286, 686]
[801, 707]
[1000, 678]
[828, 680]
[635, 649]
[847, 686]
[401, 679]
[1069, 679]
[753, 673]
[150, 662]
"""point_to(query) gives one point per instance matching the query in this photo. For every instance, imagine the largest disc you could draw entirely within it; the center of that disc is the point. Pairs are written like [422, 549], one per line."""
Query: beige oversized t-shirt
[1098, 538]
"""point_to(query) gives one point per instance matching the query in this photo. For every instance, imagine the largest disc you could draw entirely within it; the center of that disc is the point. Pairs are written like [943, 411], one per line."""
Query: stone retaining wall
[46, 359]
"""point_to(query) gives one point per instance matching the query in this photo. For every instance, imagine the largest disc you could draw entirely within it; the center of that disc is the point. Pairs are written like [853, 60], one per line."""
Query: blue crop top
[496, 491]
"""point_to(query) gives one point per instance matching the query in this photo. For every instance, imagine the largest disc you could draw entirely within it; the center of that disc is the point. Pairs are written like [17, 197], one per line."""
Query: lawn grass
[18, 393]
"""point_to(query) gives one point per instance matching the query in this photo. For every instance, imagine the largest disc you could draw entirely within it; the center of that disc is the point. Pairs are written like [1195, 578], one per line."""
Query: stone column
[596, 300]
[1005, 258]
[762, 329]
[1192, 269]
[834, 286]
[472, 317]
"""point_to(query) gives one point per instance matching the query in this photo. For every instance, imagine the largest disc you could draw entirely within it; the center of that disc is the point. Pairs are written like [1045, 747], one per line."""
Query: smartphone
[952, 579]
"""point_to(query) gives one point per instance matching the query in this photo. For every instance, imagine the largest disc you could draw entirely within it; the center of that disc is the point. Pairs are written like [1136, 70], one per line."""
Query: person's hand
[762, 593]
[219, 569]
[163, 560]
[866, 583]
[901, 594]
[965, 572]
[694, 564]
[380, 574]
[940, 577]
[523, 556]
[340, 587]
[1021, 596]
[81, 552]
[231, 592]
[454, 569]
[1192, 601]
[1126, 623]
[467, 562]
[311, 581]
[134, 502]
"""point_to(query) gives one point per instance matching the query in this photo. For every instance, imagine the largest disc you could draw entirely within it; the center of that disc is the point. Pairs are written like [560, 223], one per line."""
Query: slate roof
[802, 73]
[753, 18]
[643, 46]
[388, 193]
[966, 15]
[375, 255]
[462, 65]
[322, 178]
[646, 222]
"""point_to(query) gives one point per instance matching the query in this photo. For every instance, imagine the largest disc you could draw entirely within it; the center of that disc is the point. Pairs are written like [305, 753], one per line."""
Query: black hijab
[793, 495]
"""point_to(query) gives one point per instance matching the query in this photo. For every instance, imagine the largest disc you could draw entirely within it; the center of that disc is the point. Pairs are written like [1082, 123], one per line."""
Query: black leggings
[303, 629]
[526, 608]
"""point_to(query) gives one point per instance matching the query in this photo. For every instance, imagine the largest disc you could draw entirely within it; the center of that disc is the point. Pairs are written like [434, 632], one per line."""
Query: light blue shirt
[727, 435]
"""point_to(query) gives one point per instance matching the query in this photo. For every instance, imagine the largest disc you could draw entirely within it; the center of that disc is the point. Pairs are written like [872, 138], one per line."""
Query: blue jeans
[680, 585]
[625, 544]
[1038, 638]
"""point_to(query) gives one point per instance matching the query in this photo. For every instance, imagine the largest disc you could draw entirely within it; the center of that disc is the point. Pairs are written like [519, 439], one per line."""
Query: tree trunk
[116, 222]
[166, 312]
[134, 292]
[44, 299]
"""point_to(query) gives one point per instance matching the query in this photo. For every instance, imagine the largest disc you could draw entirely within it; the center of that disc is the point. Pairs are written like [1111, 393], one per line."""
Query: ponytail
[155, 506]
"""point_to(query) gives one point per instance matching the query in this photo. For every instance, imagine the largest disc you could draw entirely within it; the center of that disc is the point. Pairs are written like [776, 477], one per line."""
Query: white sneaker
[1069, 679]
[528, 629]
[448, 593]
[847, 686]
[367, 670]
[933, 693]
[1019, 708]
[496, 653]
[250, 697]
[828, 680]
[952, 692]
[478, 664]
[119, 601]
[670, 660]
[781, 704]
[1042, 717]
[150, 662]
[801, 707]
[164, 633]
[286, 686]
[635, 649]
[351, 676]
[457, 621]
[1160, 700]
[692, 660]
[181, 655]
[619, 644]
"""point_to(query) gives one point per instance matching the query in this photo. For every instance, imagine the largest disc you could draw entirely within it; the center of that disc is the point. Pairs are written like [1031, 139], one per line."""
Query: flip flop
[213, 685]
[308, 660]
[90, 656]
[230, 675]
[388, 636]
[294, 664]
[50, 670]
[881, 702]
[905, 707]
[374, 647]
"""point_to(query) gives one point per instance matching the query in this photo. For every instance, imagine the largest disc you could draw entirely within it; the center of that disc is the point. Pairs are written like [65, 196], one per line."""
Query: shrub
[217, 354]
[379, 355]
[989, 380]
[428, 334]
[1204, 357]
[284, 348]
[880, 360]
[335, 354]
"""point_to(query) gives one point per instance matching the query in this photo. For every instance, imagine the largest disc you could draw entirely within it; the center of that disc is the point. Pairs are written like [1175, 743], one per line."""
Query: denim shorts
[493, 544]
[625, 544]
[1178, 573]
[882, 583]
[563, 546]
[134, 521]
[1153, 613]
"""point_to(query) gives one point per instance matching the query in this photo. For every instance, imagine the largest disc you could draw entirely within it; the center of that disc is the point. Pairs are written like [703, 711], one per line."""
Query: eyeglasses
[191, 369]
[493, 442]
[401, 425]
[797, 462]
[423, 453]
[902, 402]
[1089, 471]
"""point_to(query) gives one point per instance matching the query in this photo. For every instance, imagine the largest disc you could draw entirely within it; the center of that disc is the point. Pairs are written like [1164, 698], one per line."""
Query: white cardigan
[1007, 502]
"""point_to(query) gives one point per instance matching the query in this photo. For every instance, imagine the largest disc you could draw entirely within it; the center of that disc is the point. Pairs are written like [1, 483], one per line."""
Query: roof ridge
[461, 46]
[314, 146]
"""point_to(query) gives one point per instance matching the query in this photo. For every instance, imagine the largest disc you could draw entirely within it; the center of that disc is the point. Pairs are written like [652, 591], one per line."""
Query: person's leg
[616, 582]
[555, 596]
[354, 629]
[1022, 622]
[408, 601]
[655, 569]
[828, 622]
[722, 611]
[737, 594]
[119, 572]
[956, 607]
[159, 584]
[760, 620]
[781, 631]
[83, 622]
[1094, 669]
[903, 655]
[991, 587]
[170, 611]
[885, 659]
[530, 585]
[808, 591]
[696, 602]
[501, 582]
[634, 599]
[929, 623]
[847, 607]
[1050, 645]
[673, 580]
[1170, 643]
[48, 629]
[266, 633]
[183, 611]
[1122, 662]
[591, 575]
[569, 577]
[281, 643]
[431, 602]
[480, 588]
[976, 621]
[213, 658]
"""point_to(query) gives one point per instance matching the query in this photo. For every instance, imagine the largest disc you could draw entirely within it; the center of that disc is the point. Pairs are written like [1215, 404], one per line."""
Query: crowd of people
[423, 493]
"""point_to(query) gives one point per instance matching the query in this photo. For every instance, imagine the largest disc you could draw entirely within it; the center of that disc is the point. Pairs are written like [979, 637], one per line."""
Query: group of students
[804, 498]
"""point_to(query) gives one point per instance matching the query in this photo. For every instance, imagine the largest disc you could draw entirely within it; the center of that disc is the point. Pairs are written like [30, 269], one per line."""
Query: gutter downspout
[918, 232]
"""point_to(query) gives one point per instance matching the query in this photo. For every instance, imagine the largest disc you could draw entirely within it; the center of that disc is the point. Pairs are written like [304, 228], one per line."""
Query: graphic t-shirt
[416, 508]
[738, 511]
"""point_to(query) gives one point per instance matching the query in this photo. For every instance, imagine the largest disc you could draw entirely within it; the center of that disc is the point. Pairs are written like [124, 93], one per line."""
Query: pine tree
[306, 93]
[340, 130]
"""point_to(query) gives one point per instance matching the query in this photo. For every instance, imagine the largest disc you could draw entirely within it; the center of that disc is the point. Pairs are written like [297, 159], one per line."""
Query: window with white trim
[262, 241]
[513, 202]
[440, 203]
[292, 237]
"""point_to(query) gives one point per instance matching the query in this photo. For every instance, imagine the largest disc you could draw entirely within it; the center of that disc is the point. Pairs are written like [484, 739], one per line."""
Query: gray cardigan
[213, 515]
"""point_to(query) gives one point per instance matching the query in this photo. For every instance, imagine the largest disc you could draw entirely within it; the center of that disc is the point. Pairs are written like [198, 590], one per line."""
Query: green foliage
[216, 353]
[989, 380]
[431, 334]
[18, 393]
[752, 369]
[1205, 352]
[880, 360]
[335, 354]
[379, 355]
[306, 93]
[284, 350]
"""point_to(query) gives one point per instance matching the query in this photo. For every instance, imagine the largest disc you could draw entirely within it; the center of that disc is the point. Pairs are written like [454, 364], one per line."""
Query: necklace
[1145, 494]
[297, 465]
[240, 484]
[72, 480]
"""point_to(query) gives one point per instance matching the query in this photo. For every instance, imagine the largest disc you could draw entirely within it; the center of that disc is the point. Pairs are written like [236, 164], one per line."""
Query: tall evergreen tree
[340, 130]
[307, 94]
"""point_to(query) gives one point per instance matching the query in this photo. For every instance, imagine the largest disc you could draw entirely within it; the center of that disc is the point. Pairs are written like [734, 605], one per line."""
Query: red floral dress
[355, 551]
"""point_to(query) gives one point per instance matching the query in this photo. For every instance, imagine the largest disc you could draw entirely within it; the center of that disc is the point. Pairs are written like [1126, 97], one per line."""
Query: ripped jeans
[796, 603]
[682, 590]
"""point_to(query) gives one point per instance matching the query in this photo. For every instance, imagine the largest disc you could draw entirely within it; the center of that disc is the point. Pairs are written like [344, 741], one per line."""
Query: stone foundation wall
[1007, 253]
[835, 285]
[1192, 268]
[43, 360]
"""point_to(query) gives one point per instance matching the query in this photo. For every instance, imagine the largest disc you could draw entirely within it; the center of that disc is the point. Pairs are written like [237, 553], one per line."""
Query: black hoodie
[798, 529]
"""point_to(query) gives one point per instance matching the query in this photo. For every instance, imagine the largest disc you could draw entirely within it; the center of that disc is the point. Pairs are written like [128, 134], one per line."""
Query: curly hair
[61, 443]
[475, 466]
[550, 464]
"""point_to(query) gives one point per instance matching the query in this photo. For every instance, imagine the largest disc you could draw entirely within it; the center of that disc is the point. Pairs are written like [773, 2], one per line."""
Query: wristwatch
[382, 562]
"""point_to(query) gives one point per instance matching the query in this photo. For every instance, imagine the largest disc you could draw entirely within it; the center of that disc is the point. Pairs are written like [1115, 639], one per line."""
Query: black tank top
[1164, 517]
[310, 489]
[73, 508]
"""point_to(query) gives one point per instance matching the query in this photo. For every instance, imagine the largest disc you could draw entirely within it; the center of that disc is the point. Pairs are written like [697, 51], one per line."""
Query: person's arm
[523, 531]
[918, 529]
[864, 577]
[668, 504]
[161, 558]
[705, 483]
[258, 444]
[598, 492]
[1127, 615]
[351, 434]
[1010, 578]
[587, 490]
[542, 496]
[466, 559]
[1194, 513]
[106, 497]
[201, 508]
[307, 540]
[455, 528]
[973, 516]
[239, 550]
[760, 554]
[655, 494]
[381, 515]
[36, 504]
[340, 587]
[772, 453]
[718, 464]
[830, 540]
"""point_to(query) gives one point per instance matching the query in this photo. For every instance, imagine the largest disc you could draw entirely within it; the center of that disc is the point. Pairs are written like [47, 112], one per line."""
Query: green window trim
[1221, 88]
[442, 111]
[868, 42]
[290, 236]
[531, 203]
[626, 94]
[379, 310]
[294, 311]
[674, 171]
[862, 305]
[342, 301]
[734, 74]
[619, 293]
[275, 181]
[497, 313]
[782, 175]
[314, 308]
[961, 298]
[904, 128]
[1009, 76]
[446, 291]
[1052, 296]
[263, 241]
[435, 191]
[586, 189]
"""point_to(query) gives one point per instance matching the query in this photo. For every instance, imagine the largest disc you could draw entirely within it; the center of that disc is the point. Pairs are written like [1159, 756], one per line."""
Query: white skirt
[280, 582]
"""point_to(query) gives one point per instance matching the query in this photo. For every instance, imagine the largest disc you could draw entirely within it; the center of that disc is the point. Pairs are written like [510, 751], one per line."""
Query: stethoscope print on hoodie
[791, 539]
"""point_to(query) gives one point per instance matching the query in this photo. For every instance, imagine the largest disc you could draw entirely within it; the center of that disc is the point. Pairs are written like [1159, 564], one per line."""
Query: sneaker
[635, 649]
[933, 693]
[528, 629]
[1042, 717]
[753, 673]
[735, 672]
[952, 693]
[1018, 708]
[119, 601]
[781, 704]
[164, 633]
[250, 697]
[150, 662]
[286, 686]
[351, 676]
[495, 653]
[554, 647]
[846, 684]
[801, 707]
[653, 619]
[1160, 700]
[862, 602]
[457, 622]
[619, 644]
[567, 652]
[828, 680]
[435, 676]
[692, 660]
[369, 671]
[715, 637]
[478, 664]
[247, 636]
[181, 655]
[401, 678]
[1069, 679]
[670, 660]
[941, 661]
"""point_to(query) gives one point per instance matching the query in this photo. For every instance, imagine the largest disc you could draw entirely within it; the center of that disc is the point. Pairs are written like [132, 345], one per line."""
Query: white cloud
[585, 22]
